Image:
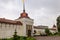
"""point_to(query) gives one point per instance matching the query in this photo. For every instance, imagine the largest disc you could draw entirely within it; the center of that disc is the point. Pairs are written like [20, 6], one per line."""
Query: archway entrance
[29, 30]
[29, 33]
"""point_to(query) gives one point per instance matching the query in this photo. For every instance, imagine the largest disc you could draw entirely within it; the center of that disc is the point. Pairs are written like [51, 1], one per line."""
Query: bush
[47, 31]
[30, 38]
[22, 38]
[57, 34]
[4, 39]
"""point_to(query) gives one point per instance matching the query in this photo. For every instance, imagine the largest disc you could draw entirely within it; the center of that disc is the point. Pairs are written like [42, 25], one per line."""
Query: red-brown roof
[40, 27]
[3, 20]
[52, 28]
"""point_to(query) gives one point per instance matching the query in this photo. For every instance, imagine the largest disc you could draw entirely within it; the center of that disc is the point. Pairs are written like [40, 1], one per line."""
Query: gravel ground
[47, 38]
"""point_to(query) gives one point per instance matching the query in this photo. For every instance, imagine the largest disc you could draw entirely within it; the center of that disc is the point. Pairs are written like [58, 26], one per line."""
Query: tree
[47, 31]
[15, 36]
[58, 23]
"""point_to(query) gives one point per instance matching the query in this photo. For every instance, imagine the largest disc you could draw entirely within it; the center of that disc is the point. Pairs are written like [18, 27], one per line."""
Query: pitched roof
[52, 28]
[40, 27]
[3, 20]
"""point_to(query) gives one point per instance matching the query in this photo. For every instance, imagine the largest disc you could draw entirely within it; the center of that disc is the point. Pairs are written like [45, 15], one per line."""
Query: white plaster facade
[27, 22]
[7, 30]
[53, 31]
[39, 31]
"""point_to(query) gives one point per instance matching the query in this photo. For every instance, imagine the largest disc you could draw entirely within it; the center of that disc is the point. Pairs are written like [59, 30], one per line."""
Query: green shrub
[30, 38]
[4, 39]
[22, 38]
[47, 31]
[56, 33]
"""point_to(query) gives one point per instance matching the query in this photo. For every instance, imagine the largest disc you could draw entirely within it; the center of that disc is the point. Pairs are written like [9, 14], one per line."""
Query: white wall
[7, 30]
[26, 21]
[39, 31]
[53, 31]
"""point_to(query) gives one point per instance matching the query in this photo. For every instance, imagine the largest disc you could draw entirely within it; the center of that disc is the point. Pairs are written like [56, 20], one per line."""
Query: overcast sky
[44, 12]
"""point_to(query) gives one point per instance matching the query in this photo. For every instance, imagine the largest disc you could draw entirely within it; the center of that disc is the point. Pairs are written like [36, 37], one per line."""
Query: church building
[23, 26]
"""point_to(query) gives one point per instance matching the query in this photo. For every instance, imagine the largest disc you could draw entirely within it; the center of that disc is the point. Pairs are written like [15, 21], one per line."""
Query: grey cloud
[45, 11]
[42, 3]
[50, 5]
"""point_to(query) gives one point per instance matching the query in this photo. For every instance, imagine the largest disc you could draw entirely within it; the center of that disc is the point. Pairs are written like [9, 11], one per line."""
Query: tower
[27, 28]
[24, 14]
